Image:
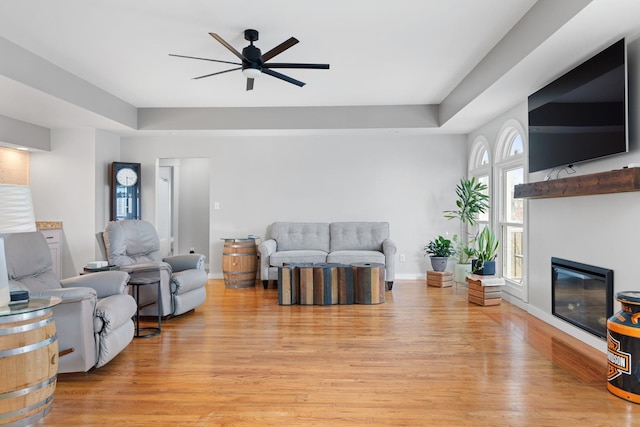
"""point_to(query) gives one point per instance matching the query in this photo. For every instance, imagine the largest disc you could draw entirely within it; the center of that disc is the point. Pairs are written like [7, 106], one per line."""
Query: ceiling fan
[254, 63]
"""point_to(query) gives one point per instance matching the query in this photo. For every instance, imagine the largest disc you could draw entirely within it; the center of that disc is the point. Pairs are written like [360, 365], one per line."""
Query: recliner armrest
[68, 295]
[105, 283]
[146, 267]
[185, 262]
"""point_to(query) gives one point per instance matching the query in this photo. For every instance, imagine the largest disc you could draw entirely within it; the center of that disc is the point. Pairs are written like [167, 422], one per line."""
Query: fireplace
[582, 295]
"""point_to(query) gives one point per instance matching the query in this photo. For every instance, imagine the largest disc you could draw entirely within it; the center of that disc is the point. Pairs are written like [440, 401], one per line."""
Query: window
[480, 167]
[510, 218]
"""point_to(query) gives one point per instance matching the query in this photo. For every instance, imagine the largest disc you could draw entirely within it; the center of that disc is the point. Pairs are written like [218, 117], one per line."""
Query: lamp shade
[16, 209]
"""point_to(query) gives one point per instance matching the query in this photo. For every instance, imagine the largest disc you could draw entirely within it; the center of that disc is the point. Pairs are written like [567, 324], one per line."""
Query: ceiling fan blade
[279, 49]
[228, 46]
[205, 59]
[282, 77]
[215, 74]
[290, 65]
[250, 84]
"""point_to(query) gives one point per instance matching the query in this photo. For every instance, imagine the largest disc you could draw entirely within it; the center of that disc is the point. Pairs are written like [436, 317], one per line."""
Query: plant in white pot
[439, 251]
[472, 201]
[485, 255]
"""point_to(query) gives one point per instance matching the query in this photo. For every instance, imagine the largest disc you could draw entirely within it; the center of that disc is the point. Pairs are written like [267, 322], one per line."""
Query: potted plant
[487, 250]
[472, 201]
[439, 251]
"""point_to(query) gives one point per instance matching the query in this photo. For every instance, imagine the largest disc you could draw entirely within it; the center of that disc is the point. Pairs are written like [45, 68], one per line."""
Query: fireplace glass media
[582, 295]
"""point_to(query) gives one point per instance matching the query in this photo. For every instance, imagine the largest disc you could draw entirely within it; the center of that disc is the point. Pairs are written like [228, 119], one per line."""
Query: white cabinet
[53, 237]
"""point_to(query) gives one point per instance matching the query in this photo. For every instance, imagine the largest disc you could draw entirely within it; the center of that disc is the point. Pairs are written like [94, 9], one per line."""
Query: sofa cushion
[290, 257]
[363, 236]
[350, 257]
[293, 236]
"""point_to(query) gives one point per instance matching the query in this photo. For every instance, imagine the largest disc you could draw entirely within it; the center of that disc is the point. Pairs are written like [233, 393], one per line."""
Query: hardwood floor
[424, 357]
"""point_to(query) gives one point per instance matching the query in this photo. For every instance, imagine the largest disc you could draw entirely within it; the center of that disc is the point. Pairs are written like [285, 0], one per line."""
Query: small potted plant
[485, 254]
[439, 251]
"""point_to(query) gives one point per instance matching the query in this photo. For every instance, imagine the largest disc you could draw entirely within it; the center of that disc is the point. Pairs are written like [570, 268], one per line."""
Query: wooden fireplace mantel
[615, 181]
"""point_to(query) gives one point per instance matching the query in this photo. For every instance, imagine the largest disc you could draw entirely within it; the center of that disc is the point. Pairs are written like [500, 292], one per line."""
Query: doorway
[182, 206]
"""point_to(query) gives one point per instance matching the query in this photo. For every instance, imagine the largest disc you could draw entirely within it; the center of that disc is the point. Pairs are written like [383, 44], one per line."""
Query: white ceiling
[401, 52]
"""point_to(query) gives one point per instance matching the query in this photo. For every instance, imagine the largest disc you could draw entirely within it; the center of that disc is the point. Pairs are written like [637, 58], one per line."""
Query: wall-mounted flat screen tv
[582, 115]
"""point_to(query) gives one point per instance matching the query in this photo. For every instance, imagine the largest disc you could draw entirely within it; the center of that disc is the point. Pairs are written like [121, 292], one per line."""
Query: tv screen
[581, 115]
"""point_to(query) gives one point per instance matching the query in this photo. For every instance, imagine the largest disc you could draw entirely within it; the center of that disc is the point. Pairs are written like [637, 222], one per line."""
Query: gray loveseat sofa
[337, 242]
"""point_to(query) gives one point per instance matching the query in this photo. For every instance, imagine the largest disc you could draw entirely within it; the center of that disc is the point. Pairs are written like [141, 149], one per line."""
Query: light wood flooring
[425, 357]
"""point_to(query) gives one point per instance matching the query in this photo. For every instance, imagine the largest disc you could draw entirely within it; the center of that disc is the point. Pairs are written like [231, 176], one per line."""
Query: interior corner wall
[407, 180]
[107, 150]
[63, 189]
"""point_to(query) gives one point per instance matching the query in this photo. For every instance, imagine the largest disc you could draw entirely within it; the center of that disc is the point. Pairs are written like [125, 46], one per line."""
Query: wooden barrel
[239, 263]
[28, 366]
[369, 282]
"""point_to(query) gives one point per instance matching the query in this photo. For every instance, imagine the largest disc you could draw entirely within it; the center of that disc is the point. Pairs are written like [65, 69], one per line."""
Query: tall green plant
[472, 201]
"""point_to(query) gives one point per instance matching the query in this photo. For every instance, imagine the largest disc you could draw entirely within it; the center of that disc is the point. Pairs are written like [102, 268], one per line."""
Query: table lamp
[16, 216]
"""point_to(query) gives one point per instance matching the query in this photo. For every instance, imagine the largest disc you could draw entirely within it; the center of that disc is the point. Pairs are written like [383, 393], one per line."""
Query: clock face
[127, 177]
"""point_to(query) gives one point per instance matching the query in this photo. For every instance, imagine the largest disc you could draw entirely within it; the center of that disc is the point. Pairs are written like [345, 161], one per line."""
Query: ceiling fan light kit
[254, 63]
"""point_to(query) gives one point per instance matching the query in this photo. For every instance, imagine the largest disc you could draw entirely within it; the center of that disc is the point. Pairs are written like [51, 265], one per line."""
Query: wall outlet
[402, 258]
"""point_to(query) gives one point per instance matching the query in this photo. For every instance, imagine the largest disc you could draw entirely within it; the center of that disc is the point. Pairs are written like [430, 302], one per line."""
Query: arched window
[480, 167]
[509, 172]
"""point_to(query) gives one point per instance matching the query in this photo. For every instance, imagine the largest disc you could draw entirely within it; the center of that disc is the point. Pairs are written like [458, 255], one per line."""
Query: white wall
[599, 229]
[407, 180]
[63, 187]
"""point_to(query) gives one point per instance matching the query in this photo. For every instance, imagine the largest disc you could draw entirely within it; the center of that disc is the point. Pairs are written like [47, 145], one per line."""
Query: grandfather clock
[125, 191]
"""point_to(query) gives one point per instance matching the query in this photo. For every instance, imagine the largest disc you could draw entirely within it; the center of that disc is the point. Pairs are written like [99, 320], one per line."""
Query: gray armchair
[93, 322]
[134, 245]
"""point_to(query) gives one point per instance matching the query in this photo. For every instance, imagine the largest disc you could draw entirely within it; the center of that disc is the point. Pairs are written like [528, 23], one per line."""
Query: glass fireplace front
[582, 295]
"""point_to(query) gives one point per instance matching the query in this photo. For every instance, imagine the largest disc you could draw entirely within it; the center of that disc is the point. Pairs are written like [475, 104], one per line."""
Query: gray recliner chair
[134, 246]
[93, 322]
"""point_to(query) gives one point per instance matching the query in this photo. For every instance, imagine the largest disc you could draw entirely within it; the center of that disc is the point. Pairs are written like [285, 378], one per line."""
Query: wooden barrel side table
[369, 282]
[239, 263]
[28, 361]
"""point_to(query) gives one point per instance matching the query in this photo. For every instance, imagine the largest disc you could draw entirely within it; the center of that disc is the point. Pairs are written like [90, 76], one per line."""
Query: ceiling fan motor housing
[253, 57]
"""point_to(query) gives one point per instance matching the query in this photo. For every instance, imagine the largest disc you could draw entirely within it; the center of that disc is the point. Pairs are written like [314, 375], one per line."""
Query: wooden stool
[369, 282]
[485, 290]
[288, 285]
[325, 284]
[306, 285]
[346, 285]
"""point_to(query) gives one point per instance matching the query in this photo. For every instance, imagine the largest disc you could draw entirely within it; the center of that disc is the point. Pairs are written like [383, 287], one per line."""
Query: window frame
[504, 162]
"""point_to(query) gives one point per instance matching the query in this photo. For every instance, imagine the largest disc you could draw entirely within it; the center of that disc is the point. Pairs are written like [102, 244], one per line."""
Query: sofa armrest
[389, 250]
[105, 283]
[185, 262]
[266, 249]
